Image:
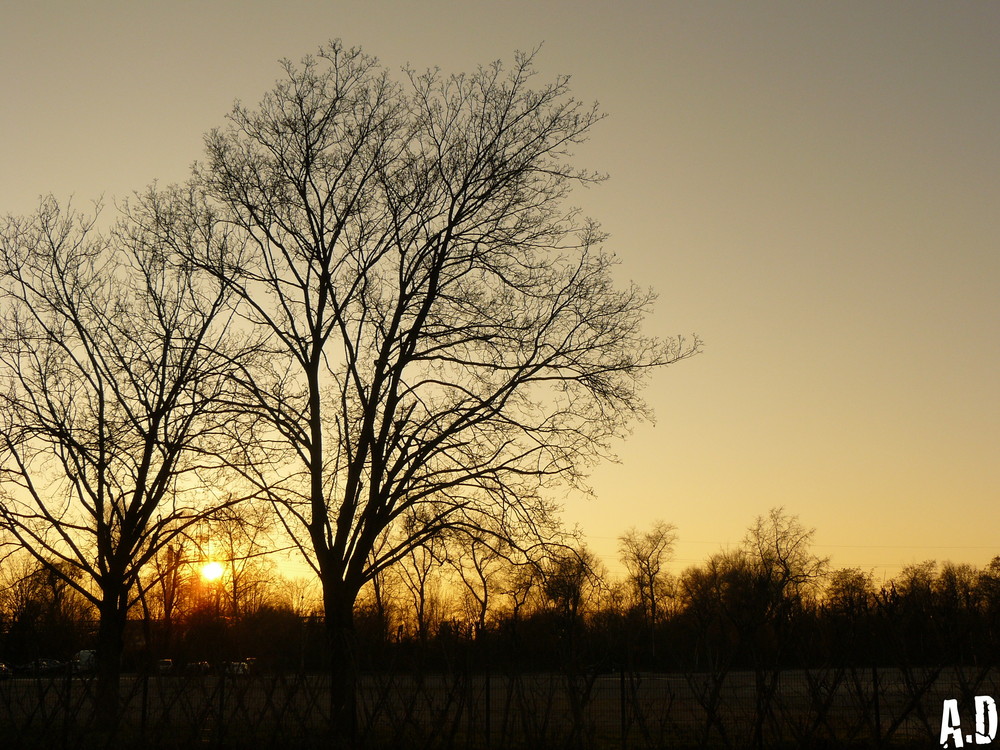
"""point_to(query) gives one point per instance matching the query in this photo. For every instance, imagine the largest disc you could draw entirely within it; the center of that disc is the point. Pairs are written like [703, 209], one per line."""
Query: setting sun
[211, 571]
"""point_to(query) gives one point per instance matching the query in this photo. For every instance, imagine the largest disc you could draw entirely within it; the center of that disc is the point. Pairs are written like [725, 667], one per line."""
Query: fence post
[68, 709]
[489, 710]
[623, 707]
[758, 730]
[143, 716]
[877, 707]
[221, 717]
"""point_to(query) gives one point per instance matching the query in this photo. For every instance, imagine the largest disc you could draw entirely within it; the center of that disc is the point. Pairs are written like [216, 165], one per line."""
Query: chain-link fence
[842, 707]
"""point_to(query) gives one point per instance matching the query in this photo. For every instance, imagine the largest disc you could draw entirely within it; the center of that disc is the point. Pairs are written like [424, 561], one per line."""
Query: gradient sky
[813, 188]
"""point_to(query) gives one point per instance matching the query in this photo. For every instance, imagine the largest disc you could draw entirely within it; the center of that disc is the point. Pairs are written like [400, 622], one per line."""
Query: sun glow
[211, 571]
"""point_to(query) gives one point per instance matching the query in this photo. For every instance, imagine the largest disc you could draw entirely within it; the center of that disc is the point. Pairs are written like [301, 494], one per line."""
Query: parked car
[84, 662]
[40, 667]
[198, 667]
[237, 668]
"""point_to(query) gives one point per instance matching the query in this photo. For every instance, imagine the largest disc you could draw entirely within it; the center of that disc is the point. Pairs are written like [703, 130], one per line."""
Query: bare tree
[957, 587]
[240, 542]
[299, 595]
[479, 561]
[572, 580]
[420, 574]
[383, 598]
[779, 551]
[989, 586]
[164, 594]
[746, 599]
[107, 385]
[644, 556]
[37, 602]
[520, 585]
[849, 591]
[447, 336]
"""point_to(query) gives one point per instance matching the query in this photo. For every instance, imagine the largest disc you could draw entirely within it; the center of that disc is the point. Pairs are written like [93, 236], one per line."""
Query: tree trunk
[110, 644]
[339, 604]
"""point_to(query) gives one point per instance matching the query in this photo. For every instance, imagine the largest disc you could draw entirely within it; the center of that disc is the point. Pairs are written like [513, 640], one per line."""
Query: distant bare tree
[989, 586]
[109, 375]
[916, 582]
[420, 574]
[644, 556]
[37, 597]
[746, 599]
[240, 541]
[572, 578]
[957, 587]
[483, 563]
[383, 597]
[165, 592]
[299, 595]
[479, 562]
[521, 582]
[779, 551]
[850, 591]
[447, 336]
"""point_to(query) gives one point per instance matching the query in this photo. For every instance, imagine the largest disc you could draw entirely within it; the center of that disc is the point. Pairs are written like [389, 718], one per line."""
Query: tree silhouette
[446, 336]
[644, 556]
[779, 552]
[109, 376]
[479, 562]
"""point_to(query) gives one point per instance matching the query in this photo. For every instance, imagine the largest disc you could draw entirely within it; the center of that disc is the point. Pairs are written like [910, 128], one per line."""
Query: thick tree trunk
[109, 652]
[339, 604]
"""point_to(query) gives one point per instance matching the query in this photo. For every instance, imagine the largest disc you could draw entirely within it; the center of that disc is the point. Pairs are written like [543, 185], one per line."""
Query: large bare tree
[447, 335]
[110, 374]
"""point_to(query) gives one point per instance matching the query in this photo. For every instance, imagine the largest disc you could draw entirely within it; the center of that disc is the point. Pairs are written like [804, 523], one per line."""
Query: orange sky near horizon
[811, 188]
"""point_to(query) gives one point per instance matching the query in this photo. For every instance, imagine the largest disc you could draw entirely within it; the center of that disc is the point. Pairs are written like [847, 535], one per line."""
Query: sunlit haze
[212, 571]
[812, 188]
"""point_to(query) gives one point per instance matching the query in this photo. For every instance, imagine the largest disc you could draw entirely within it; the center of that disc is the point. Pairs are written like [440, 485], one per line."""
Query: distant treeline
[461, 604]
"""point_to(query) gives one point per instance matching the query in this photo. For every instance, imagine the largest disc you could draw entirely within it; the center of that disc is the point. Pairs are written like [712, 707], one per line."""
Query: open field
[795, 708]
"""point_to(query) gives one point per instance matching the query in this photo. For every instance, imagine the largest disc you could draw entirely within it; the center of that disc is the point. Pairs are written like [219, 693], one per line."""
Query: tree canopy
[447, 338]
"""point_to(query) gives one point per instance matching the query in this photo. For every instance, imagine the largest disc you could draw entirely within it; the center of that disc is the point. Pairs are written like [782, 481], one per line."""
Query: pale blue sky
[811, 187]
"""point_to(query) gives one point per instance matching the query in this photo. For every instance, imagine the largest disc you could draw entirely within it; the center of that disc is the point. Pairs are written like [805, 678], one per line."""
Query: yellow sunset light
[211, 571]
